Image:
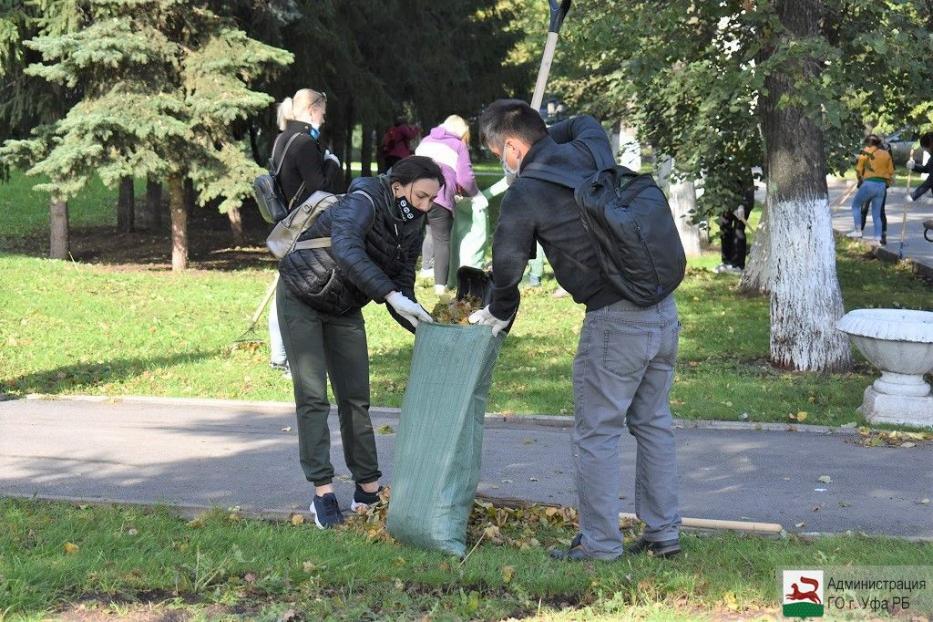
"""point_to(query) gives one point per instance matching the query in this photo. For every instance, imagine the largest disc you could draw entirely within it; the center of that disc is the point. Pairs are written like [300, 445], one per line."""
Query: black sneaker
[326, 512]
[665, 548]
[363, 499]
[577, 552]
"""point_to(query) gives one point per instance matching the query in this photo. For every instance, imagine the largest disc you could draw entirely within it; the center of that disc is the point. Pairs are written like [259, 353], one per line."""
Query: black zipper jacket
[534, 210]
[372, 253]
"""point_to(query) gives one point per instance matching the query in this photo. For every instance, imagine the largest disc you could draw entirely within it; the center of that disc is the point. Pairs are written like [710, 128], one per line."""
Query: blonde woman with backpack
[306, 167]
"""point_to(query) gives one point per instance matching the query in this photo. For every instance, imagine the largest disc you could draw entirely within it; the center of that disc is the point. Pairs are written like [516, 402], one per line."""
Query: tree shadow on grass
[68, 378]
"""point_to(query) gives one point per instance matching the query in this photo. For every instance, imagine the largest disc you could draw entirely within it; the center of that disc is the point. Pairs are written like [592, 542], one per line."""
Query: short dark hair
[413, 168]
[505, 118]
[926, 141]
[873, 140]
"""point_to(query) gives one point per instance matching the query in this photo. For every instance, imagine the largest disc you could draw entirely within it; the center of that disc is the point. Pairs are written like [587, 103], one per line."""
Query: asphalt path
[206, 453]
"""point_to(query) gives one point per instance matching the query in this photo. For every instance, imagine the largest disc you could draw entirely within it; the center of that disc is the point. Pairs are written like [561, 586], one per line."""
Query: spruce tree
[162, 83]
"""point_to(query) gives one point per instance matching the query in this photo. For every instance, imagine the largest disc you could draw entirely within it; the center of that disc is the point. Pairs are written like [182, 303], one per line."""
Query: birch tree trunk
[756, 276]
[58, 229]
[806, 300]
[179, 213]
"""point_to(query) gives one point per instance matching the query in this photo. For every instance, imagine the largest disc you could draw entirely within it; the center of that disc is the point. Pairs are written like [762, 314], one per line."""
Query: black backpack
[634, 233]
[268, 192]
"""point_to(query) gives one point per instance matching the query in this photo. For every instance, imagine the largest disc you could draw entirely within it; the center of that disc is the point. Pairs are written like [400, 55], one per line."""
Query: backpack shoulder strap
[291, 139]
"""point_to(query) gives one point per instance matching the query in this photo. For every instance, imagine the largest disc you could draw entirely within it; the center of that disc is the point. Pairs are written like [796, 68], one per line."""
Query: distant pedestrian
[875, 172]
[396, 143]
[449, 146]
[926, 143]
[732, 224]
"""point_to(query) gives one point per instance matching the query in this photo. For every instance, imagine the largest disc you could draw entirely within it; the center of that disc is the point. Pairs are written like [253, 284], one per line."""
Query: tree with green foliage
[788, 84]
[161, 82]
[29, 103]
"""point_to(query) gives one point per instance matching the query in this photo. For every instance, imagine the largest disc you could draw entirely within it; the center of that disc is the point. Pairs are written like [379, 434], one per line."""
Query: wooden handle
[732, 525]
[695, 523]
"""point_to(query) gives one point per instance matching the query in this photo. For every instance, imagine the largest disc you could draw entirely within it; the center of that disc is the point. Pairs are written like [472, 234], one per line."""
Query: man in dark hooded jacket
[624, 366]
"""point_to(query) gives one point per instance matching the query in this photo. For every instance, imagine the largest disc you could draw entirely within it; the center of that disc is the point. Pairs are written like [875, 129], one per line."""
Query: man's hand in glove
[484, 318]
[479, 202]
[911, 163]
[408, 309]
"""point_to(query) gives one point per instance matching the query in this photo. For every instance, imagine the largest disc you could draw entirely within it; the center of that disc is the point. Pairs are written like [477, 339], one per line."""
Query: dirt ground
[211, 245]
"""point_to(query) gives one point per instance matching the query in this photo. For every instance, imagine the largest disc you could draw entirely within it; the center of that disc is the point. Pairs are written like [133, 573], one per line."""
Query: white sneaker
[855, 233]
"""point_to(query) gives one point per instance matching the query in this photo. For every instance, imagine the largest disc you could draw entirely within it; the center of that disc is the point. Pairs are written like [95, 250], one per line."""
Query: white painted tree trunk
[756, 276]
[682, 196]
[626, 147]
[806, 300]
[683, 200]
[58, 229]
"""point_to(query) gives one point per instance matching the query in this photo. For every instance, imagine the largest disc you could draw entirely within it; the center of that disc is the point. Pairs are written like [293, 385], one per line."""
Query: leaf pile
[516, 527]
[451, 311]
[892, 438]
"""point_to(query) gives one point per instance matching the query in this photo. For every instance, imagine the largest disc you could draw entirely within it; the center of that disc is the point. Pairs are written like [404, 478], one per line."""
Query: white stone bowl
[896, 341]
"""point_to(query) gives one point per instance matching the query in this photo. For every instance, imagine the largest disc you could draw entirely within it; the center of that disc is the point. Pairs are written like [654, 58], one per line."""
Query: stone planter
[900, 344]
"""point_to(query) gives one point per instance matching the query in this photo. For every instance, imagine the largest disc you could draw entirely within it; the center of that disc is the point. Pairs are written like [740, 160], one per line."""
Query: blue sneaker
[326, 512]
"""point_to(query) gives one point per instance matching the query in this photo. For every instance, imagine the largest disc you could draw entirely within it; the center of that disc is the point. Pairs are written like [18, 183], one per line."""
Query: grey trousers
[622, 376]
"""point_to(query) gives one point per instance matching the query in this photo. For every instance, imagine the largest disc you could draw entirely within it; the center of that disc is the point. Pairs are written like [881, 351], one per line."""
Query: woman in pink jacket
[449, 146]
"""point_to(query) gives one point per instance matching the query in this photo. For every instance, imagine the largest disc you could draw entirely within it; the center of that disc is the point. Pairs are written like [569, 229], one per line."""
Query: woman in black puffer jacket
[375, 235]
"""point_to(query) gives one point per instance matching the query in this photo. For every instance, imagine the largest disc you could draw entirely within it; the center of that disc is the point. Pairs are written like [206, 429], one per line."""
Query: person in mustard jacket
[875, 171]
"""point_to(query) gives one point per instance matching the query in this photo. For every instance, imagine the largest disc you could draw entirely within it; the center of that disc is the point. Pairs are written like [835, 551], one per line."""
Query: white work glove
[740, 213]
[408, 309]
[484, 318]
[330, 156]
[479, 202]
[911, 163]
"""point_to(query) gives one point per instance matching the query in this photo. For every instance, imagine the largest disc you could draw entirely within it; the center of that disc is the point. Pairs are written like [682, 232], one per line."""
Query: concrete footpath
[215, 453]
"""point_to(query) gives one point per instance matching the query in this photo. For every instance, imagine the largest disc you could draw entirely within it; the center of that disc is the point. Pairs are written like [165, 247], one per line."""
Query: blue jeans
[870, 191]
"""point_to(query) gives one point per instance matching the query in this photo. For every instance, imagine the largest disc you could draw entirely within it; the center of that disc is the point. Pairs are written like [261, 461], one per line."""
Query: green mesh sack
[439, 444]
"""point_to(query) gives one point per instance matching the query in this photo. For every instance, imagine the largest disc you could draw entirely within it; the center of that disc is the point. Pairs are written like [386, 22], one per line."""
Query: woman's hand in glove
[408, 309]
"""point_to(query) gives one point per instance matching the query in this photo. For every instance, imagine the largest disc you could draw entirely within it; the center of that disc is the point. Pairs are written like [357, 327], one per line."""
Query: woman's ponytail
[285, 113]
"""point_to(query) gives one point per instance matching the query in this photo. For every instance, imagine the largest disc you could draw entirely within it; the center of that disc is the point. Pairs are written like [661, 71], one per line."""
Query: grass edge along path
[55, 557]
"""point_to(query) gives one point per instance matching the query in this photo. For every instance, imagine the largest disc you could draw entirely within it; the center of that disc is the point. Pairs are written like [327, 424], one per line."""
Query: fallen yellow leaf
[71, 548]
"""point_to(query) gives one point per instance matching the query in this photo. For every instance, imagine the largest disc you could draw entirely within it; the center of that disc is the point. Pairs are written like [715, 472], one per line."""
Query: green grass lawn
[223, 566]
[69, 328]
